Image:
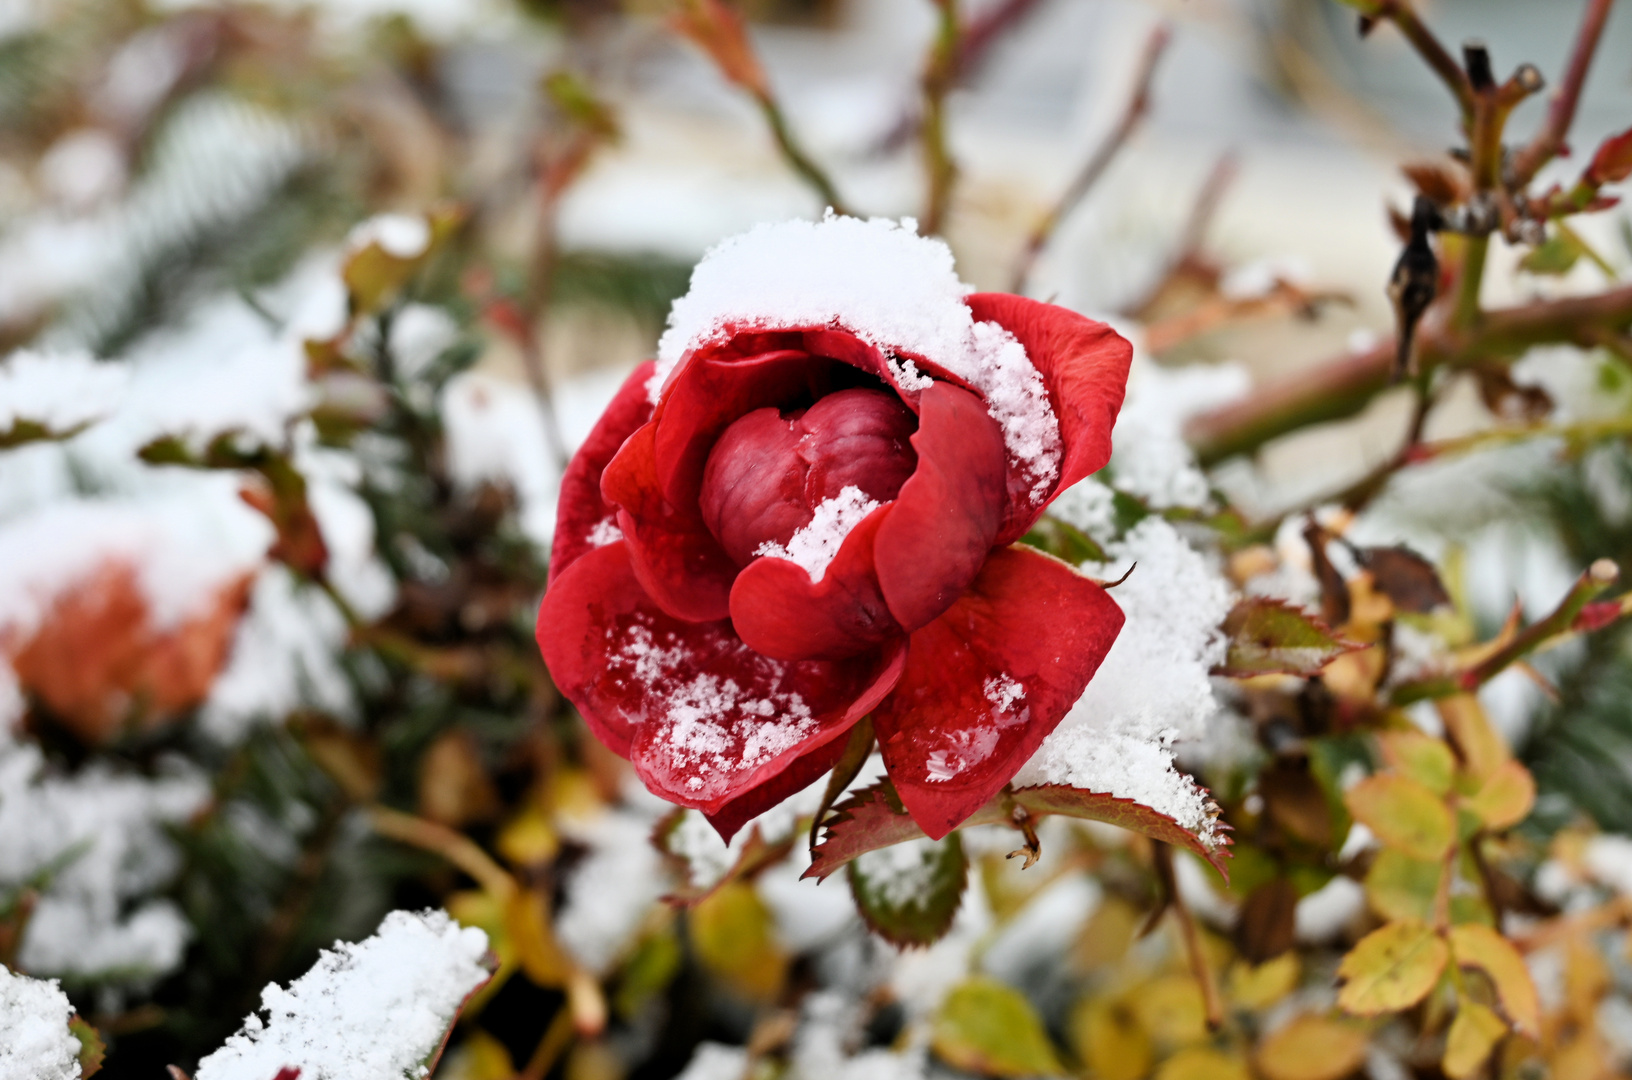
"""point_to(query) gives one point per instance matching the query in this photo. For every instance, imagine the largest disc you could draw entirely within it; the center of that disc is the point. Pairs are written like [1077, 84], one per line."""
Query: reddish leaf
[1613, 161]
[874, 818]
[1271, 637]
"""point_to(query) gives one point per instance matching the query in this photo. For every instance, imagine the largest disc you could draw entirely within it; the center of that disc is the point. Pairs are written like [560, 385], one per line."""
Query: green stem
[797, 159]
[939, 74]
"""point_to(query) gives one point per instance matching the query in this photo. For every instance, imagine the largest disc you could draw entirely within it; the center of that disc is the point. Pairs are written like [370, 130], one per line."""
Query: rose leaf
[909, 893]
[1270, 637]
[1392, 968]
[988, 1028]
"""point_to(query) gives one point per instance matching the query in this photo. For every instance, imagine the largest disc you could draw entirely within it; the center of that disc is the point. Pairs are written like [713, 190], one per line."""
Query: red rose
[815, 520]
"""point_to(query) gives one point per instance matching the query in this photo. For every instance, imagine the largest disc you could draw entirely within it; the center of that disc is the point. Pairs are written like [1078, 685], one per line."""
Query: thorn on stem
[1034, 848]
[1368, 23]
[1476, 58]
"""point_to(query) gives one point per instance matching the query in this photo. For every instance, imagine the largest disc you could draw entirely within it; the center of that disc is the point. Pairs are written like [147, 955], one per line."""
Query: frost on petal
[890, 287]
[374, 1010]
[35, 1043]
[104, 832]
[814, 546]
[1151, 459]
[1153, 686]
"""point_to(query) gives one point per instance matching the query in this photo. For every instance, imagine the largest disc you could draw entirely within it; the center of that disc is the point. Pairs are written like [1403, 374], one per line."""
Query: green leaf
[91, 1047]
[1270, 637]
[1400, 887]
[1405, 815]
[1392, 968]
[1423, 758]
[1063, 541]
[874, 818]
[1555, 255]
[988, 1028]
[910, 892]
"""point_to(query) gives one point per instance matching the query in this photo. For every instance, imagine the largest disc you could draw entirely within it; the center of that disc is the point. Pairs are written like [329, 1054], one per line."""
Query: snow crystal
[1004, 691]
[402, 236]
[609, 893]
[903, 873]
[892, 288]
[605, 532]
[1151, 458]
[370, 1011]
[35, 1043]
[60, 392]
[99, 836]
[1153, 686]
[816, 545]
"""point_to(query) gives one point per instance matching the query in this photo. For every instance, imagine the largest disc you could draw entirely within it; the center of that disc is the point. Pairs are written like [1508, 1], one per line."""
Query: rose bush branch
[1342, 387]
[1404, 16]
[1550, 140]
[1576, 613]
[720, 31]
[1137, 107]
[940, 73]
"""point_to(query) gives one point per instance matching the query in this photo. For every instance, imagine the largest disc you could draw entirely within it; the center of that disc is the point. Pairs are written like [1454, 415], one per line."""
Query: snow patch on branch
[374, 1010]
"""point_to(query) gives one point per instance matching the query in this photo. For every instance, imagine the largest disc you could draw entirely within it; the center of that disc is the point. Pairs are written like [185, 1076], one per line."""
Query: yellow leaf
[1483, 748]
[1108, 1039]
[1262, 986]
[479, 1057]
[1171, 1009]
[732, 933]
[1404, 814]
[988, 1028]
[1423, 758]
[1586, 979]
[1392, 968]
[1474, 1034]
[528, 920]
[1108, 933]
[1480, 947]
[529, 838]
[1400, 887]
[1312, 1048]
[1201, 1063]
[1506, 797]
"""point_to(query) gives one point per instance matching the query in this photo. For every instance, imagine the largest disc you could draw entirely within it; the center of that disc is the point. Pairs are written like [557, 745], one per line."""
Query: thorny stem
[1549, 141]
[1342, 387]
[799, 161]
[940, 72]
[1404, 16]
[1199, 967]
[1539, 635]
[1138, 105]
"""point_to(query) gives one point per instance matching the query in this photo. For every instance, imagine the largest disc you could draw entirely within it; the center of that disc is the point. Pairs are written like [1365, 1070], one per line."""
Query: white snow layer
[374, 1010]
[59, 393]
[98, 838]
[35, 1043]
[1153, 686]
[881, 281]
[1150, 457]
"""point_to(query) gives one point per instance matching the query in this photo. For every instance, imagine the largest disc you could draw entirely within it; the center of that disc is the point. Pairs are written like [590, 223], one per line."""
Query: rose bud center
[770, 470]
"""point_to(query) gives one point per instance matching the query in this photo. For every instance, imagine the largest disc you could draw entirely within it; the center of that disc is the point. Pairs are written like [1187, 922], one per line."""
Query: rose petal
[1084, 364]
[754, 484]
[780, 612]
[582, 512]
[790, 781]
[944, 521]
[676, 558]
[704, 719]
[987, 681]
[857, 438]
[710, 392]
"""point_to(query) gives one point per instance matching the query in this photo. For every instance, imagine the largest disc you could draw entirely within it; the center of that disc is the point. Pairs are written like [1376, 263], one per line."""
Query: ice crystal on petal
[816, 545]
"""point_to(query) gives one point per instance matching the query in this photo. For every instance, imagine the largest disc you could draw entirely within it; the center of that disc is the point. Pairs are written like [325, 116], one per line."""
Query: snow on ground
[374, 1010]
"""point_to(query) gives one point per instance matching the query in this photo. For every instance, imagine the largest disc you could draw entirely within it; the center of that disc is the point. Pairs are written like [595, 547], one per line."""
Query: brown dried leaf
[1406, 578]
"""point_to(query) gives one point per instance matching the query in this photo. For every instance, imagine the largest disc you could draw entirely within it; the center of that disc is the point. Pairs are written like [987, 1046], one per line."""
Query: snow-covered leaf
[874, 818]
[1272, 637]
[909, 893]
[92, 1049]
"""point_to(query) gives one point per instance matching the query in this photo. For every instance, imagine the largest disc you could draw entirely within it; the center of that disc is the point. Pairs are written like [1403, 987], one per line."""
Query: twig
[940, 72]
[1538, 636]
[1585, 432]
[557, 1037]
[453, 846]
[1138, 105]
[1199, 967]
[1342, 387]
[981, 32]
[1549, 141]
[799, 161]
[1219, 311]
[1404, 16]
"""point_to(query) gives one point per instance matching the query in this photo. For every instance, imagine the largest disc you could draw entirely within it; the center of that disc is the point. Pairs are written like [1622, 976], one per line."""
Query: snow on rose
[806, 511]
